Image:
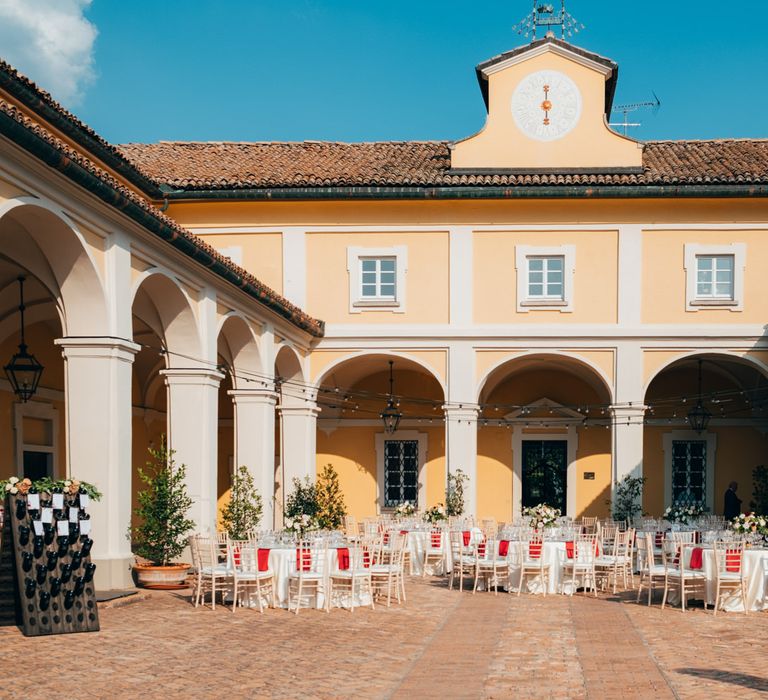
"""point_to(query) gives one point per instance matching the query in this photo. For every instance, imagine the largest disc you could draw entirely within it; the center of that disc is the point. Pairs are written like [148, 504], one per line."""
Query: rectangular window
[545, 277]
[689, 472]
[714, 277]
[378, 279]
[401, 472]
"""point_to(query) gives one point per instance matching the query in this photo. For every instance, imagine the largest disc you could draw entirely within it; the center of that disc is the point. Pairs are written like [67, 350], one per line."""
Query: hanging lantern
[390, 415]
[23, 371]
[699, 416]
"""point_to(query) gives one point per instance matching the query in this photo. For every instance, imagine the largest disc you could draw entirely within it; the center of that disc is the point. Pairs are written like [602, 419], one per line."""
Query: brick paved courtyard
[442, 644]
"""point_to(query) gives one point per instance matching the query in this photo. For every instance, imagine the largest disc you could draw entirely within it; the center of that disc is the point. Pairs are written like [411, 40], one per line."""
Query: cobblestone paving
[442, 644]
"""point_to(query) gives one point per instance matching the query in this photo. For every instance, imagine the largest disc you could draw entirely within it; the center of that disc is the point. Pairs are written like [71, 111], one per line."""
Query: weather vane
[545, 15]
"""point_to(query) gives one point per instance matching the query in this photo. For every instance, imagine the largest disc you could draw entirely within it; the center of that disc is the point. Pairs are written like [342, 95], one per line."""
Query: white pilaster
[461, 448]
[255, 442]
[295, 266]
[630, 274]
[193, 403]
[98, 444]
[461, 283]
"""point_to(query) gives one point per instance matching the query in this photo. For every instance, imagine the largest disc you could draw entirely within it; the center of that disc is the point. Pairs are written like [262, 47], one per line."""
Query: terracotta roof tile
[225, 165]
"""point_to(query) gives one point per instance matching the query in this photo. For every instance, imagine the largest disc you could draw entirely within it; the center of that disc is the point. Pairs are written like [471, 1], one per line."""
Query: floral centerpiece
[21, 485]
[405, 510]
[542, 515]
[750, 522]
[683, 513]
[435, 514]
[301, 524]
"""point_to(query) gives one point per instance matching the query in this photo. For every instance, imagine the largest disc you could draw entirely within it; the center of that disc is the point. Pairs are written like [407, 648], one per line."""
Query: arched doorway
[683, 465]
[544, 437]
[378, 470]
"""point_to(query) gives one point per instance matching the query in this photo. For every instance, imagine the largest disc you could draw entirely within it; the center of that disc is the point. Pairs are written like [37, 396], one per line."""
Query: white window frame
[358, 303]
[42, 411]
[526, 303]
[693, 251]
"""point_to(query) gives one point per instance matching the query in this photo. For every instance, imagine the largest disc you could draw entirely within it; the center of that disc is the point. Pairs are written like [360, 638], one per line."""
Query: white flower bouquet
[435, 514]
[750, 522]
[683, 513]
[301, 524]
[542, 515]
[405, 510]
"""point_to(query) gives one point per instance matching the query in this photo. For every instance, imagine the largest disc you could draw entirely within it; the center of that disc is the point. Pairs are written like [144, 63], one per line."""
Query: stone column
[298, 439]
[461, 448]
[255, 442]
[193, 403]
[98, 444]
[627, 443]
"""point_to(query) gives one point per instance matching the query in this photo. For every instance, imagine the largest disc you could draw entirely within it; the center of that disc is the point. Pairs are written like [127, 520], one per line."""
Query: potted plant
[161, 535]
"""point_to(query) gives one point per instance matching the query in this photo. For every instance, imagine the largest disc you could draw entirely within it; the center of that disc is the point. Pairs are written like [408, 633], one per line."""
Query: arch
[159, 301]
[703, 354]
[239, 346]
[290, 368]
[38, 236]
[585, 369]
[382, 353]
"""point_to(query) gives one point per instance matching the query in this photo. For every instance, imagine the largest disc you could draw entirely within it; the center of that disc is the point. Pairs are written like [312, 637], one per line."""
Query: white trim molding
[357, 303]
[711, 440]
[739, 253]
[423, 441]
[525, 303]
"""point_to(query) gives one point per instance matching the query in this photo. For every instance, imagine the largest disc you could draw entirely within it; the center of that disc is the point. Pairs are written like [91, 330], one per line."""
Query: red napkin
[732, 560]
[503, 548]
[386, 538]
[659, 539]
[236, 556]
[467, 535]
[403, 532]
[569, 549]
[435, 540]
[263, 556]
[303, 560]
[697, 560]
[534, 549]
[366, 558]
[343, 556]
[481, 549]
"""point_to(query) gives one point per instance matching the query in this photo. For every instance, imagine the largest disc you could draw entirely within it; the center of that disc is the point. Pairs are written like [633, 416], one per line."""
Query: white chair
[652, 569]
[248, 579]
[492, 565]
[435, 550]
[530, 557]
[616, 559]
[388, 574]
[729, 557]
[354, 578]
[581, 564]
[463, 559]
[213, 574]
[308, 574]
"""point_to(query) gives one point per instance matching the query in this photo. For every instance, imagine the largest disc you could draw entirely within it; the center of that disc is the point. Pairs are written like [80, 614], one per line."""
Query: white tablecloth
[417, 542]
[554, 559]
[755, 571]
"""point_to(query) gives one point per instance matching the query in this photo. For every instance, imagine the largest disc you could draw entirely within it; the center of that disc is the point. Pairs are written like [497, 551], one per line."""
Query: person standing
[731, 502]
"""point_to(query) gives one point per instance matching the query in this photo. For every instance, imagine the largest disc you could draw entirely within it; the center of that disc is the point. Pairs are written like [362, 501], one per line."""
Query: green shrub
[243, 512]
[454, 493]
[330, 500]
[629, 498]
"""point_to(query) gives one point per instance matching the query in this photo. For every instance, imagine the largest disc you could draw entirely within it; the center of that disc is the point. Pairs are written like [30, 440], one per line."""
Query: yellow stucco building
[554, 298]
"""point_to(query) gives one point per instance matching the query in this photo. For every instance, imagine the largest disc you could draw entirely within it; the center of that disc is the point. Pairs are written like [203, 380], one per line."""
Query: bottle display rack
[46, 556]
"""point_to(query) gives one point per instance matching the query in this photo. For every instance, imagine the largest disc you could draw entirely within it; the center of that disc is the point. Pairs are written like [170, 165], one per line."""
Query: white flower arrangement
[435, 514]
[405, 510]
[542, 515]
[750, 522]
[300, 524]
[683, 513]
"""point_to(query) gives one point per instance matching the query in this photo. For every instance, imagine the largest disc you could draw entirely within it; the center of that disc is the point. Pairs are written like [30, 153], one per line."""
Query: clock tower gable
[548, 106]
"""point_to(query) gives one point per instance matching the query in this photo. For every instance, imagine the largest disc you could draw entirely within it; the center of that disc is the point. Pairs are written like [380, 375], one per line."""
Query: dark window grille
[689, 472]
[401, 472]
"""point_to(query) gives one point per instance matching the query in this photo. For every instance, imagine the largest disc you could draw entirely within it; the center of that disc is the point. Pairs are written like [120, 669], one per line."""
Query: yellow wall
[494, 473]
[262, 254]
[593, 455]
[664, 276]
[426, 278]
[594, 280]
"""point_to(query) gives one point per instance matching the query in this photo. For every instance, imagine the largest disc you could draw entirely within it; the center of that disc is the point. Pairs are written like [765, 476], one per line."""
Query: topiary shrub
[243, 512]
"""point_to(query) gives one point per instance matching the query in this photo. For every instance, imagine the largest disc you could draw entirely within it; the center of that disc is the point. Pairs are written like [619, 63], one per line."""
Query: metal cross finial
[545, 15]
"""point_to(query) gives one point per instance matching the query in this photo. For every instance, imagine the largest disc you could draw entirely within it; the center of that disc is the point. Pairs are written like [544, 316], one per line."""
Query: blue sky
[347, 70]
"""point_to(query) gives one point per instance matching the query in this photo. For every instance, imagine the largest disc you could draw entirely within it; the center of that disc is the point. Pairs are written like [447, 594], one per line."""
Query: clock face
[546, 105]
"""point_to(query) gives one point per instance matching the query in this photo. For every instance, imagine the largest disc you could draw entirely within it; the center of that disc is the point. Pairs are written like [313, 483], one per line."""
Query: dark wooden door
[545, 473]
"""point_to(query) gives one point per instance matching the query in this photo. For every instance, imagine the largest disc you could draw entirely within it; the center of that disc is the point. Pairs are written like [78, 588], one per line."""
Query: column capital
[462, 411]
[253, 396]
[192, 376]
[627, 411]
[98, 347]
[310, 410]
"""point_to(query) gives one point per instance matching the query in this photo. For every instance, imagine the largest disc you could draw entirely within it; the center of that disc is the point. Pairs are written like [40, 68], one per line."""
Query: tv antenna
[545, 15]
[626, 110]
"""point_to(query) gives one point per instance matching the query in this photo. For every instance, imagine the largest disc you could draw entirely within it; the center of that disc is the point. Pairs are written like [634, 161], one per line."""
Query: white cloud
[51, 42]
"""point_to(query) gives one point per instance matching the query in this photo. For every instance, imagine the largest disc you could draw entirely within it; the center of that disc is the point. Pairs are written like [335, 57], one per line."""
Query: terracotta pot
[170, 577]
